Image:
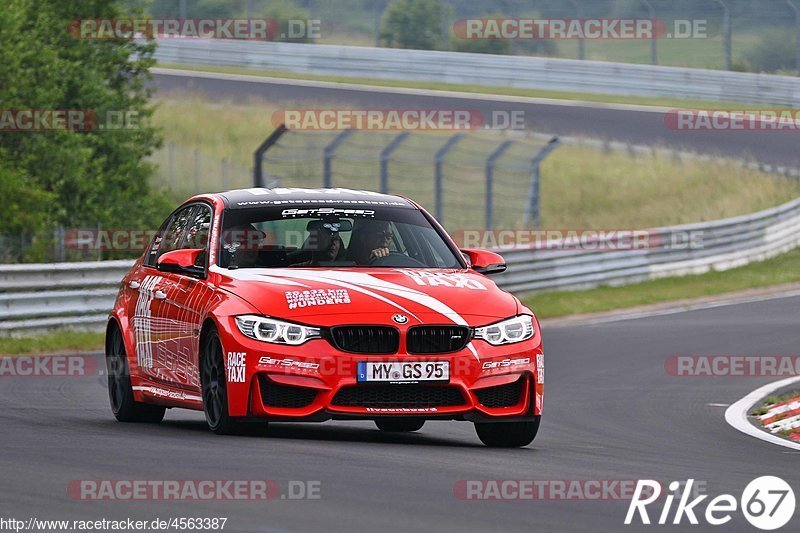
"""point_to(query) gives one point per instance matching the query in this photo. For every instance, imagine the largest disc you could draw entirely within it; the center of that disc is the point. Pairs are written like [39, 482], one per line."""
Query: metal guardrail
[43, 296]
[485, 69]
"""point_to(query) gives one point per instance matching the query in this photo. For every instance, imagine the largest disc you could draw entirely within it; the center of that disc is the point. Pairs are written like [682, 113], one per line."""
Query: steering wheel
[396, 259]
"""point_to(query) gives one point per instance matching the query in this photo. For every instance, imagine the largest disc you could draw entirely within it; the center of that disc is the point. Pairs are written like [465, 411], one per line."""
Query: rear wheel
[214, 387]
[508, 434]
[120, 391]
[399, 425]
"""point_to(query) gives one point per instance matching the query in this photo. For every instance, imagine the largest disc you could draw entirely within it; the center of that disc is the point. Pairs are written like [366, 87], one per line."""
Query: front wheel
[399, 425]
[214, 387]
[120, 391]
[508, 434]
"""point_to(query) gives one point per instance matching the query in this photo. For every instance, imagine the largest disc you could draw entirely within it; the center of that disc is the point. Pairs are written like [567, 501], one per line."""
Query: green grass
[62, 341]
[779, 270]
[479, 89]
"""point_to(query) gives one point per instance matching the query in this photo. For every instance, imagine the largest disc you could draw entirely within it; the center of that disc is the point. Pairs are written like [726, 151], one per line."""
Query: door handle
[134, 285]
[160, 295]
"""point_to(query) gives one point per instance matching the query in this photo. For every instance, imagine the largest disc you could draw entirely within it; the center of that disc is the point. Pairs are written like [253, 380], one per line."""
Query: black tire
[399, 425]
[120, 391]
[508, 434]
[214, 387]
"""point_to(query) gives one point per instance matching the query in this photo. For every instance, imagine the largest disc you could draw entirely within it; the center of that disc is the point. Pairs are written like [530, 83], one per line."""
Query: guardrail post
[327, 154]
[533, 204]
[651, 13]
[796, 11]
[258, 157]
[490, 162]
[386, 154]
[438, 162]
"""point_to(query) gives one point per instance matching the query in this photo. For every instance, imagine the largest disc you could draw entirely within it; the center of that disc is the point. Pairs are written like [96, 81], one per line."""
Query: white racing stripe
[359, 282]
[736, 414]
[356, 281]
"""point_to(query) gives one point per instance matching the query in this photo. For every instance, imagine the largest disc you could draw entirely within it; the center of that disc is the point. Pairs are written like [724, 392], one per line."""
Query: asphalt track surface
[595, 121]
[611, 412]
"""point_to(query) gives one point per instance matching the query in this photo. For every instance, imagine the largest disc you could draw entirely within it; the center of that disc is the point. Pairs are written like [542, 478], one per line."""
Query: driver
[324, 242]
[370, 241]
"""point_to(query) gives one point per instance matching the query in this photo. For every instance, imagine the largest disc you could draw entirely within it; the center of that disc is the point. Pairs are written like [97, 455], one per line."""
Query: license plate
[409, 372]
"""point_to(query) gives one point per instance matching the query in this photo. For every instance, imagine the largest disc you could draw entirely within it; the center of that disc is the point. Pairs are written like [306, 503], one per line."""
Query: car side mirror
[181, 262]
[485, 262]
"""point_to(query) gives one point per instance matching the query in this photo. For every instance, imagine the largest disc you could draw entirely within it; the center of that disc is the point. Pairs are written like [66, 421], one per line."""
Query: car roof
[261, 197]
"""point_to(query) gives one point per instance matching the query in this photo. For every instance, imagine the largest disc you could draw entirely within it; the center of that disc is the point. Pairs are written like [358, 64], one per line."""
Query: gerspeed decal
[288, 363]
[327, 211]
[505, 363]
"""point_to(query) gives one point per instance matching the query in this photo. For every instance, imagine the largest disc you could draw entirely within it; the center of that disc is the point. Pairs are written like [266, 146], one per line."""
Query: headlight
[517, 329]
[270, 330]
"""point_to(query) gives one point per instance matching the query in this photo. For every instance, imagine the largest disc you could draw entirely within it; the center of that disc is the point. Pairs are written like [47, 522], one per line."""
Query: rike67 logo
[767, 502]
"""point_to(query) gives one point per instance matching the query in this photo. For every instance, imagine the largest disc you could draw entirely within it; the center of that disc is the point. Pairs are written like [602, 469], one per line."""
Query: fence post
[59, 255]
[196, 172]
[581, 42]
[651, 12]
[493, 157]
[327, 154]
[533, 203]
[171, 164]
[258, 156]
[727, 30]
[438, 161]
[386, 154]
[796, 11]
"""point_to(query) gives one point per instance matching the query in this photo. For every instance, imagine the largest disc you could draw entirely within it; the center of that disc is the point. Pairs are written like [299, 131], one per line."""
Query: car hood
[327, 297]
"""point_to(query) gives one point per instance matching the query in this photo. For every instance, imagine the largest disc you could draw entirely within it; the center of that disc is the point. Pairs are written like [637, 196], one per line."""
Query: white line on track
[736, 414]
[669, 310]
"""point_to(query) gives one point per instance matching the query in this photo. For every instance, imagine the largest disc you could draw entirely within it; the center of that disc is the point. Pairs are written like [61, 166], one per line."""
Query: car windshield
[325, 236]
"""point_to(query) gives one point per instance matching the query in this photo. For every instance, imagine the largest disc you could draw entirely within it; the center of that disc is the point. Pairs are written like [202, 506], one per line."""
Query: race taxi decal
[437, 279]
[317, 297]
[236, 366]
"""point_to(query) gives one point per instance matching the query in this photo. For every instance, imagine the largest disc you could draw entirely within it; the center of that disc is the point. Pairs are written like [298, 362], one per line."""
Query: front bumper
[315, 382]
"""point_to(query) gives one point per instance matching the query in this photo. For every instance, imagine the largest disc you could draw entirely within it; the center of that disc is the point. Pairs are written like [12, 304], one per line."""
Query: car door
[149, 324]
[184, 307]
